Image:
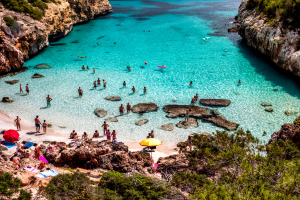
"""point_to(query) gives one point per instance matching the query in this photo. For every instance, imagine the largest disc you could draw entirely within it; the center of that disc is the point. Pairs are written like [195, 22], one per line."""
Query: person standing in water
[94, 70]
[18, 123]
[145, 90]
[95, 85]
[124, 84]
[108, 135]
[83, 67]
[37, 124]
[21, 90]
[239, 81]
[80, 92]
[191, 84]
[48, 99]
[27, 88]
[99, 81]
[45, 125]
[128, 108]
[105, 125]
[133, 90]
[87, 67]
[121, 109]
[104, 83]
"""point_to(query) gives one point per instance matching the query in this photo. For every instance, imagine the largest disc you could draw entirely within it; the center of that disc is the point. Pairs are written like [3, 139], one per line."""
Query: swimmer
[95, 85]
[193, 100]
[94, 70]
[27, 89]
[191, 84]
[124, 84]
[21, 90]
[97, 43]
[239, 81]
[115, 43]
[133, 89]
[48, 99]
[87, 67]
[128, 108]
[99, 81]
[80, 92]
[121, 109]
[145, 63]
[104, 83]
[129, 69]
[83, 67]
[145, 90]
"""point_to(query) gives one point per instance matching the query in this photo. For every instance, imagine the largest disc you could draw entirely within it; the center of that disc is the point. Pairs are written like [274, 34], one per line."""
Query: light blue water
[177, 28]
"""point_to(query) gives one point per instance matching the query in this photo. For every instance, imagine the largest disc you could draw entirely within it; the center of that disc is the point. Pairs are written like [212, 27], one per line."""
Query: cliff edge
[279, 43]
[27, 37]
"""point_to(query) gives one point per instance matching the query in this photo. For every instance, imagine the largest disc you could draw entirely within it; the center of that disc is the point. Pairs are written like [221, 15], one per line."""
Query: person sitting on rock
[193, 100]
[180, 150]
[93, 163]
[85, 136]
[96, 134]
[76, 136]
[42, 166]
[72, 135]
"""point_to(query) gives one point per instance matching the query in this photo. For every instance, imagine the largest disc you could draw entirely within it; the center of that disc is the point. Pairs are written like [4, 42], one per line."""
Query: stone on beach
[113, 98]
[191, 123]
[141, 122]
[222, 122]
[290, 112]
[215, 102]
[180, 111]
[100, 112]
[144, 107]
[168, 127]
[111, 119]
[42, 66]
[7, 100]
[266, 104]
[36, 75]
[12, 82]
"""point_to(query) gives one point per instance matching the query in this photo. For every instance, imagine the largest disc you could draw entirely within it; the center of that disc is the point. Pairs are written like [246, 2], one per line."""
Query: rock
[191, 123]
[36, 75]
[269, 109]
[113, 98]
[275, 89]
[290, 112]
[214, 112]
[111, 119]
[12, 82]
[168, 127]
[42, 66]
[215, 102]
[120, 147]
[266, 104]
[234, 29]
[287, 132]
[151, 170]
[180, 110]
[297, 121]
[141, 122]
[100, 112]
[7, 100]
[3, 148]
[202, 133]
[222, 122]
[144, 107]
[182, 144]
[174, 163]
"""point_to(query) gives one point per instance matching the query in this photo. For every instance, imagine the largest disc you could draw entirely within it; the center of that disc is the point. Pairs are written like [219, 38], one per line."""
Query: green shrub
[15, 18]
[10, 22]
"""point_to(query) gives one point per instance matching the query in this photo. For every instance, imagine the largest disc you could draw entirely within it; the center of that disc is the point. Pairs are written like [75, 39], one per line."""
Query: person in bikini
[37, 152]
[16, 160]
[99, 81]
[128, 108]
[45, 125]
[105, 125]
[80, 92]
[37, 124]
[18, 123]
[48, 99]
[121, 109]
[85, 136]
[114, 134]
[87, 67]
[108, 135]
[21, 90]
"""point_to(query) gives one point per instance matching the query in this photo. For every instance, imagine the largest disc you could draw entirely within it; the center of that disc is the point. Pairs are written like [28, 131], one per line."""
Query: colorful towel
[43, 159]
[29, 144]
[46, 174]
[31, 169]
[155, 166]
[8, 144]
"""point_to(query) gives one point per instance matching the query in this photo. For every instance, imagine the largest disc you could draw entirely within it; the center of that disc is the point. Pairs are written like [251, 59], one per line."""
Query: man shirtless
[49, 99]
[104, 83]
[21, 90]
[187, 115]
[72, 135]
[133, 89]
[121, 109]
[105, 125]
[95, 85]
[80, 92]
[93, 163]
[27, 89]
[114, 134]
[37, 124]
[16, 160]
[128, 108]
[83, 67]
[129, 69]
[124, 84]
[87, 67]
[99, 81]
[18, 123]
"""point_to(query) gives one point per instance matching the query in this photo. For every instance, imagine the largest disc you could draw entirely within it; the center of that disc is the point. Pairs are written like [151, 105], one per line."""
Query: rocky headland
[29, 36]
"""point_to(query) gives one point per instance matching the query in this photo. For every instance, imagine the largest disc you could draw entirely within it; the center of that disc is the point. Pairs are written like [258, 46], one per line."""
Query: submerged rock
[141, 122]
[12, 82]
[215, 102]
[191, 123]
[42, 66]
[111, 119]
[222, 122]
[168, 127]
[113, 98]
[269, 109]
[7, 100]
[180, 110]
[275, 89]
[37, 76]
[266, 104]
[290, 112]
[100, 112]
[144, 107]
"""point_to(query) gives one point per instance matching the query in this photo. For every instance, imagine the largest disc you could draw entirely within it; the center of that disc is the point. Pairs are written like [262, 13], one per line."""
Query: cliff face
[280, 44]
[31, 36]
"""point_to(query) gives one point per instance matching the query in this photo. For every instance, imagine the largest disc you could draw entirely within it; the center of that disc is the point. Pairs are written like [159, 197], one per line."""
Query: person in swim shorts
[95, 85]
[128, 108]
[49, 99]
[124, 84]
[104, 83]
[37, 124]
[99, 81]
[133, 89]
[145, 90]
[80, 92]
[121, 109]
[187, 115]
[83, 67]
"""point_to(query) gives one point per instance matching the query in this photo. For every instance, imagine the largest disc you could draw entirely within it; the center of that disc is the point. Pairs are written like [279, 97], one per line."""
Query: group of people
[122, 109]
[27, 89]
[37, 124]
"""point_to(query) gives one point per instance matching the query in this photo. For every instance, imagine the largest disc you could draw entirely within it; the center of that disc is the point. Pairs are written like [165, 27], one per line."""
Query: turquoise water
[177, 29]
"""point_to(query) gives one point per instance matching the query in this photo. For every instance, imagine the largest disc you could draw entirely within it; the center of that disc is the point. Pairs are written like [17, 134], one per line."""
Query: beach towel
[46, 174]
[31, 169]
[43, 159]
[29, 144]
[9, 145]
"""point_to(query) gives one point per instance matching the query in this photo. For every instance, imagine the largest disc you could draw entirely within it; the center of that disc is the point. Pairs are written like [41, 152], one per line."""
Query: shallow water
[175, 40]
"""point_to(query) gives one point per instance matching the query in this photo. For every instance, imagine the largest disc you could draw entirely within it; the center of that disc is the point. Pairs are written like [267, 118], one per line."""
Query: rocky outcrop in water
[31, 36]
[222, 122]
[144, 107]
[280, 44]
[215, 102]
[180, 111]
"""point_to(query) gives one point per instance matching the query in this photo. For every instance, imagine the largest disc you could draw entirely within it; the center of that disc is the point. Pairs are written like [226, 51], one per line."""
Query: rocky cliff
[29, 36]
[278, 43]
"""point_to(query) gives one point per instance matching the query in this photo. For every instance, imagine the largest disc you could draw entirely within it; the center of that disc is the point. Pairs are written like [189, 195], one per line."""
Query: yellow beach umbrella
[151, 142]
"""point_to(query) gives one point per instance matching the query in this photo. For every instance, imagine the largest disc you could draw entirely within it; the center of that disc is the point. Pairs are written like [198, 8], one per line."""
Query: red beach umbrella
[11, 136]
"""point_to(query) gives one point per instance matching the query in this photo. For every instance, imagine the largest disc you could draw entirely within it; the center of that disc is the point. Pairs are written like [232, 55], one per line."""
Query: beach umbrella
[11, 136]
[150, 142]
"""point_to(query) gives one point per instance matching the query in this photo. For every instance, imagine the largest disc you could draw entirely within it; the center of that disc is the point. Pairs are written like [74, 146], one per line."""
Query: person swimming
[124, 84]
[87, 67]
[239, 81]
[191, 84]
[129, 69]
[94, 70]
[80, 92]
[145, 63]
[83, 67]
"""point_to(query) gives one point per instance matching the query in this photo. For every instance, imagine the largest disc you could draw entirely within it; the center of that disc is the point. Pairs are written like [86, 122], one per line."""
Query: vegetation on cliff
[286, 11]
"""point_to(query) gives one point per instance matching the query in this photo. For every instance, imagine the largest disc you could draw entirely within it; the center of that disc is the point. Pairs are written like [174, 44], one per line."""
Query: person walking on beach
[121, 109]
[95, 85]
[80, 92]
[18, 123]
[190, 142]
[37, 124]
[45, 125]
[104, 83]
[133, 90]
[124, 84]
[128, 108]
[27, 89]
[114, 134]
[105, 125]
[49, 99]
[187, 115]
[99, 81]
[21, 90]
[145, 90]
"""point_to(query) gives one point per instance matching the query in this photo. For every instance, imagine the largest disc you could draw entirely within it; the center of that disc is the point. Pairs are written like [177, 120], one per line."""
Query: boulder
[12, 82]
[120, 147]
[168, 127]
[42, 66]
[111, 119]
[175, 163]
[275, 89]
[215, 102]
[180, 110]
[7, 100]
[100, 112]
[297, 121]
[222, 122]
[191, 123]
[36, 75]
[141, 122]
[266, 104]
[287, 132]
[182, 144]
[269, 109]
[113, 98]
[144, 107]
[290, 112]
